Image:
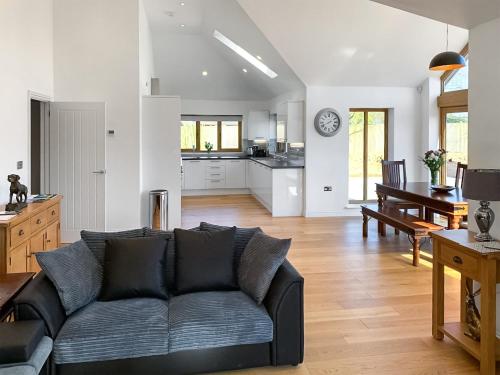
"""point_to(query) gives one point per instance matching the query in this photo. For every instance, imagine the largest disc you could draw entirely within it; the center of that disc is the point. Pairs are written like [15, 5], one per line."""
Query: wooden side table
[10, 286]
[455, 249]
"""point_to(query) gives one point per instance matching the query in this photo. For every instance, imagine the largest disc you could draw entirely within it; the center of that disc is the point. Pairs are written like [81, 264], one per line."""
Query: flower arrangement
[434, 160]
[209, 146]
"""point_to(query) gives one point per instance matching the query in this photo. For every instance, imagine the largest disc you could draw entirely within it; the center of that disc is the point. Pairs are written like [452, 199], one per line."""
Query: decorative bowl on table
[442, 188]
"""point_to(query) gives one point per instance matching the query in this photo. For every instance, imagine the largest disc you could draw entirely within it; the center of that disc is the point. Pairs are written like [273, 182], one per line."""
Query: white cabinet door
[295, 122]
[258, 125]
[194, 174]
[267, 187]
[235, 174]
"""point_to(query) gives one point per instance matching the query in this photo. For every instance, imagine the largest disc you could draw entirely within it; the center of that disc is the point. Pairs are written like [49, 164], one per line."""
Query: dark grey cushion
[134, 268]
[204, 261]
[96, 241]
[260, 261]
[170, 257]
[216, 319]
[241, 238]
[75, 273]
[102, 331]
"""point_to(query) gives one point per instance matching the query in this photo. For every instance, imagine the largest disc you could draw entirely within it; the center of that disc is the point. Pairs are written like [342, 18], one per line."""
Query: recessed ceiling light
[244, 70]
[245, 54]
[260, 58]
[182, 3]
[204, 73]
[182, 25]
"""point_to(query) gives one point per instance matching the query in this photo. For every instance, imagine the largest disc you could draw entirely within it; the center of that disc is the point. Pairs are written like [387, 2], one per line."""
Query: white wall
[146, 57]
[430, 90]
[161, 154]
[26, 63]
[326, 159]
[484, 98]
[96, 58]
[223, 107]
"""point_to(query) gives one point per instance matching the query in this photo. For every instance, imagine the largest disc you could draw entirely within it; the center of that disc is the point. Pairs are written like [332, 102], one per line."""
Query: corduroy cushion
[134, 267]
[215, 319]
[260, 261]
[75, 273]
[204, 260]
[96, 241]
[241, 238]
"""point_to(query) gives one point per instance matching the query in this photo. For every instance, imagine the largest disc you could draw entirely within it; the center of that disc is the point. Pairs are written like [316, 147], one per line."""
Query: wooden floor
[367, 309]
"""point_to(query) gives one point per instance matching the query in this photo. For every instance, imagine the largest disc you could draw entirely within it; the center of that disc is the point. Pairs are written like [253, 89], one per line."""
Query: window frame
[365, 148]
[442, 132]
[449, 102]
[219, 138]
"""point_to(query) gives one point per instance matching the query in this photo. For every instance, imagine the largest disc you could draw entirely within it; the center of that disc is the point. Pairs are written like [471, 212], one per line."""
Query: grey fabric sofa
[190, 333]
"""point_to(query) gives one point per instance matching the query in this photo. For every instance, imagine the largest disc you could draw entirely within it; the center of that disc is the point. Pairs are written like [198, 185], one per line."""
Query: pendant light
[448, 60]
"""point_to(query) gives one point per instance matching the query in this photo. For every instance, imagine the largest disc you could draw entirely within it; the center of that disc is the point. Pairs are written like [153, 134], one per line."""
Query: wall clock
[327, 122]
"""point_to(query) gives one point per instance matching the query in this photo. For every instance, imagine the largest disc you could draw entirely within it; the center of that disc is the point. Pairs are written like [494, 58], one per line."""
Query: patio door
[367, 147]
[454, 139]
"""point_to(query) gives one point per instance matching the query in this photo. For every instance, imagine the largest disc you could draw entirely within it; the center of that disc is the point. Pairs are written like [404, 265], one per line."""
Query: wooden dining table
[450, 204]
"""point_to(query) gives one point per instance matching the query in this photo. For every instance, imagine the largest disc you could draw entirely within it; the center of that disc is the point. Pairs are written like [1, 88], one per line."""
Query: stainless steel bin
[158, 209]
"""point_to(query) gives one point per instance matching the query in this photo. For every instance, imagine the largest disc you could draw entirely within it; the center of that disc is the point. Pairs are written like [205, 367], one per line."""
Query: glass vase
[434, 177]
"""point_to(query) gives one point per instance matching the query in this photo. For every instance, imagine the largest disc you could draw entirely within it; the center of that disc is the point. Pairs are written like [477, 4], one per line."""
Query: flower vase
[434, 177]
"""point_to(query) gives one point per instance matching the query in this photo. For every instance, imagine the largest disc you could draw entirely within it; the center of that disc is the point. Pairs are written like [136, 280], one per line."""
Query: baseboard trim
[190, 193]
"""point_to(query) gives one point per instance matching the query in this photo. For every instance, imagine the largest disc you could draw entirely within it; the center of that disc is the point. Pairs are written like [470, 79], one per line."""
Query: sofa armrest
[39, 301]
[285, 304]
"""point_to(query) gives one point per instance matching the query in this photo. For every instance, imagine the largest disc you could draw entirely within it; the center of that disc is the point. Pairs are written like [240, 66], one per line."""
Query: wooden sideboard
[36, 228]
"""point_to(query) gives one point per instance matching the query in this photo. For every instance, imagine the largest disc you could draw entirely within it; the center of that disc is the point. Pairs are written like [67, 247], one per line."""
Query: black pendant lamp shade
[447, 61]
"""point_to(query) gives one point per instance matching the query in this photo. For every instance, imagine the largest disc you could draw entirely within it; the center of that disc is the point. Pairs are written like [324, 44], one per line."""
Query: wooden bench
[414, 226]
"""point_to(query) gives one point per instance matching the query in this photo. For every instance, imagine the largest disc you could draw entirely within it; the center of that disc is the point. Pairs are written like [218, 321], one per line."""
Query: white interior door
[77, 167]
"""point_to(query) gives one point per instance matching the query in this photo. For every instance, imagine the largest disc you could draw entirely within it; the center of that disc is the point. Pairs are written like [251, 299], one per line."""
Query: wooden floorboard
[367, 309]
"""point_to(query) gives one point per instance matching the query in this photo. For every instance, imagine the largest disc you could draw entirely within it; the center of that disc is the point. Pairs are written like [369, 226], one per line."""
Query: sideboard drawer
[53, 213]
[38, 221]
[466, 264]
[19, 233]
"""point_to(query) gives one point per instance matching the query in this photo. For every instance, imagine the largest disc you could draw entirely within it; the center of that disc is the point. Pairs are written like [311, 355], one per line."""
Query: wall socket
[20, 164]
[327, 188]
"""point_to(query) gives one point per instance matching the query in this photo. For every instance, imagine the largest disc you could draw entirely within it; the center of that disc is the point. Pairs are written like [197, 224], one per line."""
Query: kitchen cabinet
[194, 174]
[290, 122]
[258, 125]
[236, 174]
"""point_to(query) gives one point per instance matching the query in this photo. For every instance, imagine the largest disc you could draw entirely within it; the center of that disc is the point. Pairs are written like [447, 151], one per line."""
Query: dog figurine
[17, 188]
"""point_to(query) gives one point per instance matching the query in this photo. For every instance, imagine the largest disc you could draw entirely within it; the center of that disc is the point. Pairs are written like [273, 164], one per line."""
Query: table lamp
[482, 185]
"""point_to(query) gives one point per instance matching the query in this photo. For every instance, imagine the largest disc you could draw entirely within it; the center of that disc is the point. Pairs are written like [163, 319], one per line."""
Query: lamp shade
[447, 61]
[482, 184]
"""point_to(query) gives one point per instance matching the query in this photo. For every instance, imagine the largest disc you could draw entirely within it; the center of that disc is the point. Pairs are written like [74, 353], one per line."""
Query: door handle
[99, 171]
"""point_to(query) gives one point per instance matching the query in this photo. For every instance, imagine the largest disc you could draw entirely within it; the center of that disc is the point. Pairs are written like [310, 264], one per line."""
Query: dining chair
[459, 177]
[459, 183]
[394, 173]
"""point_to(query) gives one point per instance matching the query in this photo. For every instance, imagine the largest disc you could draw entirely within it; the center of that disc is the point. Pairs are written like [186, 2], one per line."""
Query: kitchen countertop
[267, 161]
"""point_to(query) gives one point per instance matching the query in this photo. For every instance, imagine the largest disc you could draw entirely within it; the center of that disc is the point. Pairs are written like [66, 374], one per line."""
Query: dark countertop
[279, 163]
[268, 161]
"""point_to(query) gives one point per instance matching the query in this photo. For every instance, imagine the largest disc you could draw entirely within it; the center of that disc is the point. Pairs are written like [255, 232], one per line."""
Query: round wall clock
[327, 122]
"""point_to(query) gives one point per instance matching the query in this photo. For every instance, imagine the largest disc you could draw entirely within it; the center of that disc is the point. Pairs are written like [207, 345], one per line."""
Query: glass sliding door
[367, 147]
[454, 139]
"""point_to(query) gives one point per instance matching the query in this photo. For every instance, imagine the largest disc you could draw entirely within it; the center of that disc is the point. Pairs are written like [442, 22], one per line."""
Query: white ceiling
[182, 53]
[462, 13]
[352, 42]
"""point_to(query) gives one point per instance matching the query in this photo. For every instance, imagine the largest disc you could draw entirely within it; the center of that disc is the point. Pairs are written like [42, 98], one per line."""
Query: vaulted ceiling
[307, 42]
[462, 13]
[184, 46]
[352, 42]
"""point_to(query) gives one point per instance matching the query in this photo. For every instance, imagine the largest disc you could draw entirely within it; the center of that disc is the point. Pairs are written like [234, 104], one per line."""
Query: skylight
[245, 54]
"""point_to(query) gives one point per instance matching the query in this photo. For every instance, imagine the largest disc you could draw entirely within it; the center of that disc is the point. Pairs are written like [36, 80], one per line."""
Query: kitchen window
[223, 132]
